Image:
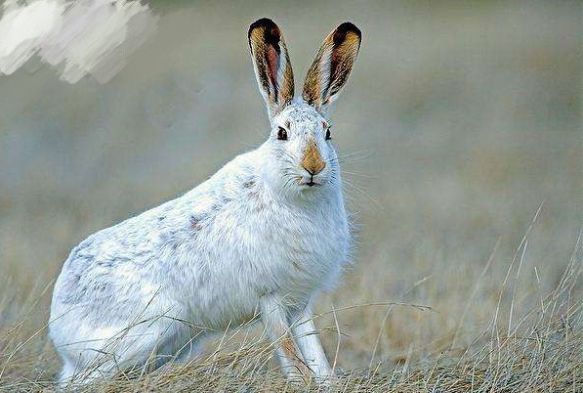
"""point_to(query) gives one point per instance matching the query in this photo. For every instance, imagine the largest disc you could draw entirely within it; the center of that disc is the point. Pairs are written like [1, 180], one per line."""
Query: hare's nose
[312, 161]
[315, 171]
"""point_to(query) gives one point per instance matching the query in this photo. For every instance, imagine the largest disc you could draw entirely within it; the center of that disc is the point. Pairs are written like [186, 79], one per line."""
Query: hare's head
[299, 149]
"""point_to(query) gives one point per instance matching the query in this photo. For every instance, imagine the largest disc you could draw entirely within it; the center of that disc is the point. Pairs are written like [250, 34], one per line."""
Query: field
[461, 140]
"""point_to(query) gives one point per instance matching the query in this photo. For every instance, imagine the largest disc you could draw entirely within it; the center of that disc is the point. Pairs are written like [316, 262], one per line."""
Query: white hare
[262, 237]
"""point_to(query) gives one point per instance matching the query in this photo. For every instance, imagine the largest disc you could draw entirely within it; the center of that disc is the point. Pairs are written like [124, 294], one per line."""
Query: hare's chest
[302, 251]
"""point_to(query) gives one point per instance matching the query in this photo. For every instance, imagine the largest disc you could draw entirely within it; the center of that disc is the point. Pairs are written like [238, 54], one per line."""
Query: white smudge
[84, 37]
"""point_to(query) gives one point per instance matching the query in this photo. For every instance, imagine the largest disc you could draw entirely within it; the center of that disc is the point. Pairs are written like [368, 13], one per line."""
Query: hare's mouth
[311, 182]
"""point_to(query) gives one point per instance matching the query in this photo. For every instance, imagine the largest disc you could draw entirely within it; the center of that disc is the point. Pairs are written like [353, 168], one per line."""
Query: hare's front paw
[307, 378]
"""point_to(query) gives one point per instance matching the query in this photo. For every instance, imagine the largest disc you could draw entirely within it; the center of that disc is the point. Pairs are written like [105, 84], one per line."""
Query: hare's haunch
[263, 236]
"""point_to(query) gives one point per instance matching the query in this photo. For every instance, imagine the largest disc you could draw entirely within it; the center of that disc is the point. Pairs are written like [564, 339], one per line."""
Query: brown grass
[460, 138]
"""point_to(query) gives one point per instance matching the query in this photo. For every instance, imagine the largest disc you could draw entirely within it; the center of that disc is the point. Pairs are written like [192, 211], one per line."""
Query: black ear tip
[345, 28]
[349, 26]
[265, 23]
[271, 33]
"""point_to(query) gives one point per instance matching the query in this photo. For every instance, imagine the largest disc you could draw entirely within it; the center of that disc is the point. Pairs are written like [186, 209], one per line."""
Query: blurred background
[459, 121]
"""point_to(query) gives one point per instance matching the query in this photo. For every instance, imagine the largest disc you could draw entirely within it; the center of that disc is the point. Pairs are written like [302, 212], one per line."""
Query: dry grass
[541, 352]
[460, 137]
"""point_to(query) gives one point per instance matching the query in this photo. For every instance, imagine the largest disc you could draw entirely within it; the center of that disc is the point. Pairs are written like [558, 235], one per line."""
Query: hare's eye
[282, 134]
[328, 134]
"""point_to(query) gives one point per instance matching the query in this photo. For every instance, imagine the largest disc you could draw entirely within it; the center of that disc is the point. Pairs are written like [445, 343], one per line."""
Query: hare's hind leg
[102, 353]
[73, 374]
[189, 352]
[66, 375]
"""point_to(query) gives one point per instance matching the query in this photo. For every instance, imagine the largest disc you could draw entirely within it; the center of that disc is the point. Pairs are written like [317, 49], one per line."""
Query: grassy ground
[461, 142]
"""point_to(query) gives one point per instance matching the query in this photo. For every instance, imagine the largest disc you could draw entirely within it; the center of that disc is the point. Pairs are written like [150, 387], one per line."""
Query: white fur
[253, 239]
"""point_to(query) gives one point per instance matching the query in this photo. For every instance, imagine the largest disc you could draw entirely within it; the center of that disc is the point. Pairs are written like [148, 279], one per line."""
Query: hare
[260, 239]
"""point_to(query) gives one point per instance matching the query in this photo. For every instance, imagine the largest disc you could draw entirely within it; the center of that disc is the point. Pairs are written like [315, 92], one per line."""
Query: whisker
[363, 193]
[352, 173]
[354, 156]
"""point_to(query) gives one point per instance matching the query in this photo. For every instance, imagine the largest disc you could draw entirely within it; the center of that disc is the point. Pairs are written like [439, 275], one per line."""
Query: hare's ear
[272, 66]
[332, 65]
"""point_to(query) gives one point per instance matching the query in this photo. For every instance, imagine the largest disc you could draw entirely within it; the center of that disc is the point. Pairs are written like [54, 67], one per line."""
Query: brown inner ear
[272, 57]
[342, 46]
[337, 40]
[335, 71]
[272, 38]
[341, 61]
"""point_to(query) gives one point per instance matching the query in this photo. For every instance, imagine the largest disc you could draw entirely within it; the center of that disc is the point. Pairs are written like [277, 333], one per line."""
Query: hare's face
[300, 150]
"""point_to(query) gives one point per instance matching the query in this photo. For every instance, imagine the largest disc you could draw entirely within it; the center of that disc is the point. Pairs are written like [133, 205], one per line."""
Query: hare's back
[116, 264]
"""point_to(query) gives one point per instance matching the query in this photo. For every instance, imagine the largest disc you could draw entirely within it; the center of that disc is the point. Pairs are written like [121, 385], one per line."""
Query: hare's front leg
[274, 318]
[307, 338]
